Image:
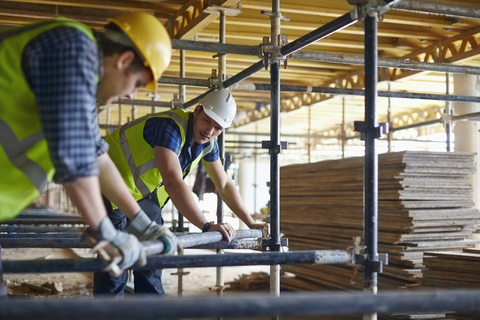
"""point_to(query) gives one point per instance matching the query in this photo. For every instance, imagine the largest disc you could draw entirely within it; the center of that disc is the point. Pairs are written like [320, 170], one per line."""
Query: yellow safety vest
[135, 158]
[25, 163]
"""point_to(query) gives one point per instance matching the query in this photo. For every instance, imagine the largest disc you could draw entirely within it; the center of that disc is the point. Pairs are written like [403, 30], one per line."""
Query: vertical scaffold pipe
[371, 158]
[448, 112]
[274, 155]
[222, 72]
[275, 150]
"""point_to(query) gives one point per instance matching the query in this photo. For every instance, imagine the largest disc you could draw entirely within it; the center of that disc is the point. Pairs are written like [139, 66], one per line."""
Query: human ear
[125, 59]
[197, 110]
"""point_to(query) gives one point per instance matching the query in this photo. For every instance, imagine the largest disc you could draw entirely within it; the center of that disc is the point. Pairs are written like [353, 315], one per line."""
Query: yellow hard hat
[151, 39]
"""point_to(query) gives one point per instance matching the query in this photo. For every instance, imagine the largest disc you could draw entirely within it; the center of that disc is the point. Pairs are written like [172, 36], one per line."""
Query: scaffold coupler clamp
[267, 244]
[446, 118]
[176, 103]
[274, 148]
[361, 260]
[271, 53]
[377, 130]
[215, 82]
[372, 7]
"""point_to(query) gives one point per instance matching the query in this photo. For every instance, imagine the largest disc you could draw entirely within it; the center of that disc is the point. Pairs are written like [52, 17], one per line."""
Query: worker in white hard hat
[154, 154]
[52, 74]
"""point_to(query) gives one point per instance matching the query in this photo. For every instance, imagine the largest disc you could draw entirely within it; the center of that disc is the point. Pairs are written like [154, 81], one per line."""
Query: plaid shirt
[62, 65]
[164, 132]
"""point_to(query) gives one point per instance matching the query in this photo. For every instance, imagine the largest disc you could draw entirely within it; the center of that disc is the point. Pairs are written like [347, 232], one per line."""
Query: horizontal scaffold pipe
[290, 304]
[184, 261]
[53, 218]
[386, 62]
[38, 229]
[320, 57]
[434, 7]
[361, 92]
[195, 101]
[469, 116]
[148, 103]
[317, 34]
[74, 240]
[216, 47]
[184, 81]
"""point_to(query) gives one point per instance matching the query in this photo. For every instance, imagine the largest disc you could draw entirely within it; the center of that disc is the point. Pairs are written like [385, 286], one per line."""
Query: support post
[275, 149]
[222, 70]
[448, 113]
[182, 87]
[390, 123]
[344, 132]
[371, 159]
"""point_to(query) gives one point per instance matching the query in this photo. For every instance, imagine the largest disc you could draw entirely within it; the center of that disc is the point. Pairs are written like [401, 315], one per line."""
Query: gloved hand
[145, 229]
[119, 249]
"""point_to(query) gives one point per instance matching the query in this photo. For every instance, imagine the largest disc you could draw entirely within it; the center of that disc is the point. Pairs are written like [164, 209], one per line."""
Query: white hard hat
[220, 106]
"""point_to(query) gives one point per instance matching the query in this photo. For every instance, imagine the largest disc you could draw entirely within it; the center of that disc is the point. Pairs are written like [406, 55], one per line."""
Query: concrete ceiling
[402, 35]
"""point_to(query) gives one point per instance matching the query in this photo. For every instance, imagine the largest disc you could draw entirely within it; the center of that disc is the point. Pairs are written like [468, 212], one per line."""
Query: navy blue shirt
[164, 132]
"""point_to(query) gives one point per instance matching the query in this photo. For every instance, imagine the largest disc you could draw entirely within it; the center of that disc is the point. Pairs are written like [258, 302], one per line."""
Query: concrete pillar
[466, 133]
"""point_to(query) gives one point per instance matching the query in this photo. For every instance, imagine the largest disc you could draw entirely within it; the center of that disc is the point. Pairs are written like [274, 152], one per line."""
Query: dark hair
[110, 48]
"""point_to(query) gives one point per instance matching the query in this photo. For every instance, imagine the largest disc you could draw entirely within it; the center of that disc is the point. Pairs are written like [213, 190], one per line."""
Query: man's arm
[114, 187]
[85, 195]
[169, 167]
[229, 193]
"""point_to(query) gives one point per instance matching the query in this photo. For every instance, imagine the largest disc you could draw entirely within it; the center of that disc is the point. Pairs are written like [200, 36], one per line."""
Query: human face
[120, 80]
[205, 128]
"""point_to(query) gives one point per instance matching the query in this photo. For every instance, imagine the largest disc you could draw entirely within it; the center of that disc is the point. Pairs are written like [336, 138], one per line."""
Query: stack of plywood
[453, 270]
[425, 204]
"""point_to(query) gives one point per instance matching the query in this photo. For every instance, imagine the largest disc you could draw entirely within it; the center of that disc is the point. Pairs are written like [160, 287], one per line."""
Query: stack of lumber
[425, 204]
[453, 270]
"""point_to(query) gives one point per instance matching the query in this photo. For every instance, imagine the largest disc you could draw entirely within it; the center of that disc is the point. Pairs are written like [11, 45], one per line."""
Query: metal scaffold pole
[275, 149]
[371, 159]
[242, 306]
[186, 261]
[448, 113]
[222, 72]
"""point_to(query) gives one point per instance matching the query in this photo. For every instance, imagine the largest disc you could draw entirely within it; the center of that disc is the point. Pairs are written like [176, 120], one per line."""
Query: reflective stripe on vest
[16, 153]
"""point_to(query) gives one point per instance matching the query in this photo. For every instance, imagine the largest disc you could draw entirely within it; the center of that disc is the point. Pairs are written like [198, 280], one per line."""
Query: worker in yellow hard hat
[52, 74]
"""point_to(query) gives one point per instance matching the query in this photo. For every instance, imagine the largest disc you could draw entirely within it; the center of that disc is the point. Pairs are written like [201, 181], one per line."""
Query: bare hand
[226, 229]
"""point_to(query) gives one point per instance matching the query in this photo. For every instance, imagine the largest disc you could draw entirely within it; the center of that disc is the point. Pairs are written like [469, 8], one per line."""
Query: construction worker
[52, 73]
[154, 154]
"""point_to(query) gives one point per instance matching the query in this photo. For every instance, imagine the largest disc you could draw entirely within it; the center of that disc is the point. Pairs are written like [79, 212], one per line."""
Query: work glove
[145, 229]
[120, 249]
